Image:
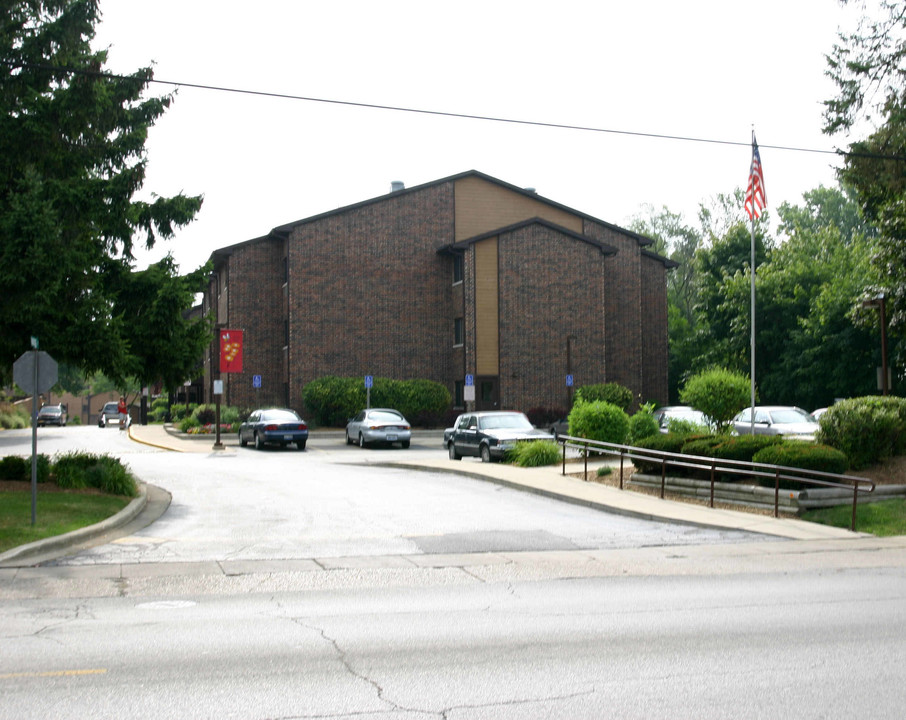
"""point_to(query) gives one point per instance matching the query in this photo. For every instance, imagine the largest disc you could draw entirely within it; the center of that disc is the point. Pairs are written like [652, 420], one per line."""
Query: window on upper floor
[457, 268]
[459, 333]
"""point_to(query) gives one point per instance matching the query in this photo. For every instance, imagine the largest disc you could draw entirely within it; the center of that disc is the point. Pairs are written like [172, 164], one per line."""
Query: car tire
[300, 445]
[362, 442]
[405, 444]
[242, 441]
[259, 443]
[349, 439]
[485, 452]
[453, 454]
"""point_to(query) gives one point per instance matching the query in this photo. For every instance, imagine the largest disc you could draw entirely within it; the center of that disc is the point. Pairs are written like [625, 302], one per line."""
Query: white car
[378, 425]
[791, 422]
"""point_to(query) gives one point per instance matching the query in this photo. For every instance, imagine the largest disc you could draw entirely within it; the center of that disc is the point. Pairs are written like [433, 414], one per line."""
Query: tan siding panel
[482, 207]
[486, 300]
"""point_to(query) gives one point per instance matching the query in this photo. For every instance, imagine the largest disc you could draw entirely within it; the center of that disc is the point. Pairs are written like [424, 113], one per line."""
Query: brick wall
[551, 289]
[370, 295]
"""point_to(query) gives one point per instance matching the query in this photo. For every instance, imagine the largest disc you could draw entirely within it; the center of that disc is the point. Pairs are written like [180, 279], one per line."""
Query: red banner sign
[230, 351]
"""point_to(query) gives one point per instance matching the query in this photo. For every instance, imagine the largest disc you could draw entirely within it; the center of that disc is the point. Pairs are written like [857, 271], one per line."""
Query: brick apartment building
[466, 275]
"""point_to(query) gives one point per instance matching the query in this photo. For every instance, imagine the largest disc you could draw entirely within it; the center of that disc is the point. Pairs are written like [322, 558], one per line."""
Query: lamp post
[879, 301]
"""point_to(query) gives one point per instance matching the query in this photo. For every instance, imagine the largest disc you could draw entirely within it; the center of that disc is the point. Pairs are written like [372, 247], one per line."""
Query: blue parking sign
[256, 381]
[470, 380]
[569, 381]
[369, 381]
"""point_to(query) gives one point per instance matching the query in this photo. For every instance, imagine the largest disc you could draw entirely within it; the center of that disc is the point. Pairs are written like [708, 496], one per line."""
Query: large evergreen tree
[71, 159]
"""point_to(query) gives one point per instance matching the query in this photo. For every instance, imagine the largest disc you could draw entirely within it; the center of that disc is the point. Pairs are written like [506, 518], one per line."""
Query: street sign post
[35, 372]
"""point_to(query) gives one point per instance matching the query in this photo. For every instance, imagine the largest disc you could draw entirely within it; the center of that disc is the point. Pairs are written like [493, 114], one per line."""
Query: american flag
[756, 200]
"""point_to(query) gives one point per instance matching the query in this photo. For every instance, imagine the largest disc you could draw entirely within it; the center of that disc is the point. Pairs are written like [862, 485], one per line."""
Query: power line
[441, 113]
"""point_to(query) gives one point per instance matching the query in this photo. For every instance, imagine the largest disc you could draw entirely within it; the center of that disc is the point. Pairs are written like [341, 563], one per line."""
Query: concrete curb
[62, 542]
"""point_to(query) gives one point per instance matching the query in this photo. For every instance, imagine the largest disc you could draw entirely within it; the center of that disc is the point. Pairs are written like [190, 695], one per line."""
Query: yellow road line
[53, 673]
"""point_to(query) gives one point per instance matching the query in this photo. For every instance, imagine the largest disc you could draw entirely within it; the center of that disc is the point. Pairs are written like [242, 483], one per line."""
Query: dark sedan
[52, 415]
[490, 435]
[274, 426]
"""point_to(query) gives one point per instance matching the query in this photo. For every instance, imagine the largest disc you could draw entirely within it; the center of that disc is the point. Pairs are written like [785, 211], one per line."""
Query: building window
[457, 268]
[458, 332]
[457, 394]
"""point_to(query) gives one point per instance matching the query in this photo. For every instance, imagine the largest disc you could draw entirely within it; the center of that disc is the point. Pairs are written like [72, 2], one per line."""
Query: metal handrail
[715, 465]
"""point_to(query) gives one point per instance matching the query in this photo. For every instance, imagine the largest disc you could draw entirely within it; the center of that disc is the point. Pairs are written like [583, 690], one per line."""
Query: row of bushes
[768, 449]
[74, 471]
[331, 400]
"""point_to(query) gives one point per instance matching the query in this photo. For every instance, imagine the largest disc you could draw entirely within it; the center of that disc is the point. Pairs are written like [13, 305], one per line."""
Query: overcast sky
[708, 69]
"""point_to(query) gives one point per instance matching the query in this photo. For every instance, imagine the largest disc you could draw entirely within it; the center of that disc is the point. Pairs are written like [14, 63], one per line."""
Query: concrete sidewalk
[549, 482]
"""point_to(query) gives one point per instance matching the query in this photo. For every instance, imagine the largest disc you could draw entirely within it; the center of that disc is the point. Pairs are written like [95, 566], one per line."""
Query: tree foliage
[719, 393]
[868, 67]
[71, 159]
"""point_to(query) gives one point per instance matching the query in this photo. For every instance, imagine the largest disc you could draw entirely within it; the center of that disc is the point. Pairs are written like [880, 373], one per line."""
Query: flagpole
[752, 328]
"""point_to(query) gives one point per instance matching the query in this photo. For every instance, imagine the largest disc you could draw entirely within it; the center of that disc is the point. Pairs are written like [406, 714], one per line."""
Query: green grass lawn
[57, 513]
[883, 519]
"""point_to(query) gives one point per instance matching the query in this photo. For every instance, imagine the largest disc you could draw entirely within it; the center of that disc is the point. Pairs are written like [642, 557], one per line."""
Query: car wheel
[242, 441]
[300, 445]
[349, 439]
[362, 442]
[453, 454]
[485, 454]
[405, 444]
[259, 443]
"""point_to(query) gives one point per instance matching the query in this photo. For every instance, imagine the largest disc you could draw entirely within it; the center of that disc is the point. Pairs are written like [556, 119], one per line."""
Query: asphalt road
[282, 584]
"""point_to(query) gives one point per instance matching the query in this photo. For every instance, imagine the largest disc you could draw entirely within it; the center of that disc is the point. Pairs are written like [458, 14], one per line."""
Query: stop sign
[24, 372]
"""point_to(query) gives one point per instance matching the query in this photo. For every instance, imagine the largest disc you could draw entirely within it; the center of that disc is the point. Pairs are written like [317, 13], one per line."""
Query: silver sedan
[378, 425]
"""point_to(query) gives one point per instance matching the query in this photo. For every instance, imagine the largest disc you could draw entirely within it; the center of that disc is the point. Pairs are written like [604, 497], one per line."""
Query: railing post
[563, 471]
[852, 525]
[586, 462]
[663, 476]
[622, 451]
[712, 483]
[777, 492]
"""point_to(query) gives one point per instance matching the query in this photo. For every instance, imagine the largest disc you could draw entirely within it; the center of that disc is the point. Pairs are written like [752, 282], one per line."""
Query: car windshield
[385, 416]
[50, 411]
[280, 416]
[514, 421]
[791, 415]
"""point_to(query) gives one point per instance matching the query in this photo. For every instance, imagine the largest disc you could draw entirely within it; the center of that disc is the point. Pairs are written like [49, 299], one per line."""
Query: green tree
[71, 159]
[868, 68]
[166, 342]
[719, 393]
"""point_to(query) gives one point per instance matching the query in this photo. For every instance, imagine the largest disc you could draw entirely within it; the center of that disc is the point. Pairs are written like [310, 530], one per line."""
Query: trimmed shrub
[535, 453]
[742, 447]
[662, 442]
[188, 424]
[718, 393]
[612, 393]
[808, 456]
[78, 471]
[866, 429]
[642, 425]
[599, 420]
[13, 467]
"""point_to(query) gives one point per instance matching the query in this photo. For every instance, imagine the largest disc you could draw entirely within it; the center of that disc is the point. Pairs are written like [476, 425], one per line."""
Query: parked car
[110, 415]
[274, 426]
[686, 413]
[52, 415]
[818, 413]
[489, 435]
[378, 425]
[559, 427]
[448, 433]
[783, 420]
